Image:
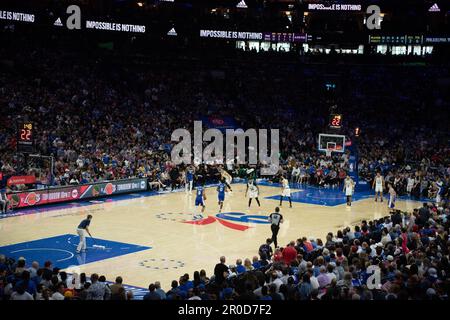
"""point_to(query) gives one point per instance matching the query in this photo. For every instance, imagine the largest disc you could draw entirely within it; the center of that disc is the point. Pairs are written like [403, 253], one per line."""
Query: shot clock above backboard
[335, 121]
[25, 137]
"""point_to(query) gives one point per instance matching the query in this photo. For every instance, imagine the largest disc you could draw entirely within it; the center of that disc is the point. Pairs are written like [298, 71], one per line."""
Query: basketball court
[152, 236]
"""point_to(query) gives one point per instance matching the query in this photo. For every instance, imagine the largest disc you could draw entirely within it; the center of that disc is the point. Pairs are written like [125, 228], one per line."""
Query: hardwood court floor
[178, 247]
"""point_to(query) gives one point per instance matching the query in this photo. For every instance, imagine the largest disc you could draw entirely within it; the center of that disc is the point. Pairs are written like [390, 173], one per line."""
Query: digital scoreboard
[25, 137]
[335, 121]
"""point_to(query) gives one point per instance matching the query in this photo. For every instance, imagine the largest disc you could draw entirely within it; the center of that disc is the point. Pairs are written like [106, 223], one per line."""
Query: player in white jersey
[349, 186]
[227, 178]
[285, 191]
[439, 185]
[378, 185]
[392, 196]
[252, 192]
[410, 184]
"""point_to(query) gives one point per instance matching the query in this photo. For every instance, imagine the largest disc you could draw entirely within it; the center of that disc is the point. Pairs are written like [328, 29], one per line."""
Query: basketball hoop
[331, 146]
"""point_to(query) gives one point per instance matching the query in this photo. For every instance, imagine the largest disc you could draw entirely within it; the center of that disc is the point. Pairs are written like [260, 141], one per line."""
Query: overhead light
[140, 4]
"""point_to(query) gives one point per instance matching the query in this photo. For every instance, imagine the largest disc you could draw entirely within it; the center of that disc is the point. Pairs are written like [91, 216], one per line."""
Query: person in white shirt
[274, 279]
[349, 186]
[21, 294]
[285, 191]
[331, 275]
[195, 294]
[378, 185]
[313, 281]
[439, 186]
[385, 237]
[284, 276]
[392, 196]
[295, 174]
[59, 294]
[252, 192]
[410, 184]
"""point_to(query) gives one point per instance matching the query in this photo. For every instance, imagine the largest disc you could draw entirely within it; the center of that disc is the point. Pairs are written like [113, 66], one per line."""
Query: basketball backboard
[331, 142]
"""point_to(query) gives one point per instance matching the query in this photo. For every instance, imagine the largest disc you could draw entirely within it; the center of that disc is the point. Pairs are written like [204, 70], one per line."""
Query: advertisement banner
[73, 193]
[262, 36]
[21, 180]
[17, 16]
[284, 37]
[221, 123]
[238, 35]
[334, 7]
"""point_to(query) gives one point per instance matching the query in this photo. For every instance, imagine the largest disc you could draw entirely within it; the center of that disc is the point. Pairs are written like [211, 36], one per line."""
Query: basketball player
[227, 178]
[221, 189]
[82, 229]
[200, 200]
[392, 196]
[439, 185]
[349, 186]
[189, 180]
[252, 192]
[285, 191]
[275, 220]
[378, 185]
[410, 184]
[3, 201]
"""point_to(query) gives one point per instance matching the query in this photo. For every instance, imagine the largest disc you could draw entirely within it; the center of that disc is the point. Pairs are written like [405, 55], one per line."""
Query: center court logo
[236, 147]
[228, 220]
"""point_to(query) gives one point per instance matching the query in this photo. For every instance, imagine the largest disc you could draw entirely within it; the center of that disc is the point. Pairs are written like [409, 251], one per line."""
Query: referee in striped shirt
[275, 220]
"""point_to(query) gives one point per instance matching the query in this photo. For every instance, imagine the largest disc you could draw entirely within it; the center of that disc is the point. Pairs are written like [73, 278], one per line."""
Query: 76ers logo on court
[226, 220]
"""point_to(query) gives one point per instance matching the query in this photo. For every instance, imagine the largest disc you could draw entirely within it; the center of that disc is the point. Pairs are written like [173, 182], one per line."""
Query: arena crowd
[102, 123]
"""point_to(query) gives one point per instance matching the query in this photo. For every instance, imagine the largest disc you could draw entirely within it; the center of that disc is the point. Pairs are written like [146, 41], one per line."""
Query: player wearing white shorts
[439, 185]
[349, 186]
[252, 192]
[285, 191]
[392, 196]
[410, 184]
[378, 185]
[227, 178]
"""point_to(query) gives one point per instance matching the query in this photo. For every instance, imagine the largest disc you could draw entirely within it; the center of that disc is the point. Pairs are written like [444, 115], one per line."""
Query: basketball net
[328, 152]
